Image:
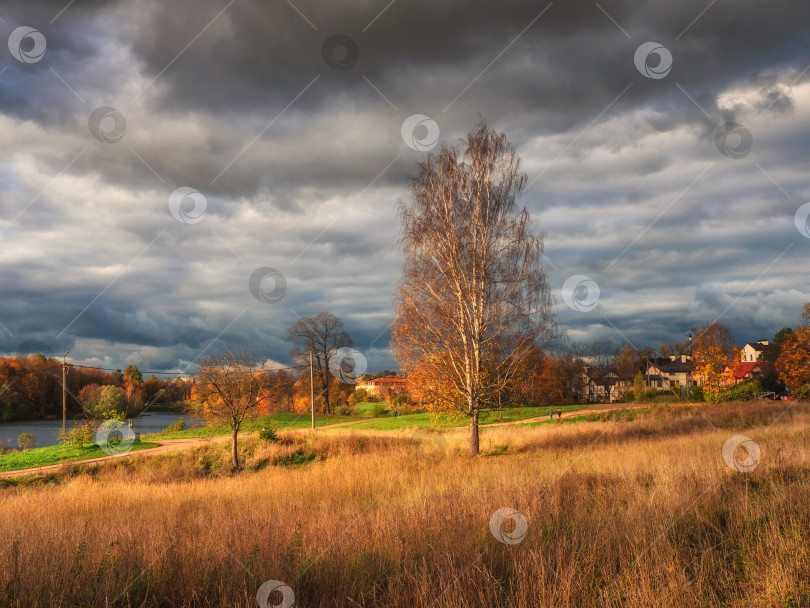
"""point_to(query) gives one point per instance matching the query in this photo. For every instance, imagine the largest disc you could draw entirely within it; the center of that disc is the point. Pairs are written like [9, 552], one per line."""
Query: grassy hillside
[631, 513]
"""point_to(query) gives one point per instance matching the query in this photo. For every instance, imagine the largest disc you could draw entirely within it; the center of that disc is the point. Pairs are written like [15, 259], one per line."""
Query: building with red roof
[375, 386]
[746, 370]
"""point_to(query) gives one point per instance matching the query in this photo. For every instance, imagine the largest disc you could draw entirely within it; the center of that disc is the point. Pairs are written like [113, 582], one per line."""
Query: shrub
[298, 458]
[378, 410]
[401, 401]
[744, 391]
[346, 410]
[660, 395]
[638, 386]
[176, 427]
[26, 441]
[78, 434]
[268, 433]
[360, 395]
[628, 397]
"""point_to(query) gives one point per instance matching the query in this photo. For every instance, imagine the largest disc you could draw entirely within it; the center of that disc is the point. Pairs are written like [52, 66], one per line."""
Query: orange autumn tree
[793, 364]
[430, 386]
[278, 393]
[716, 356]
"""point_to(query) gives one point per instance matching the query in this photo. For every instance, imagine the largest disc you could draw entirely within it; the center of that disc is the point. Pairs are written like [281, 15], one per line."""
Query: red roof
[745, 368]
[388, 380]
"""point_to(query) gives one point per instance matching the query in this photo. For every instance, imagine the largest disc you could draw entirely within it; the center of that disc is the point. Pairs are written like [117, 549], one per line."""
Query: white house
[753, 350]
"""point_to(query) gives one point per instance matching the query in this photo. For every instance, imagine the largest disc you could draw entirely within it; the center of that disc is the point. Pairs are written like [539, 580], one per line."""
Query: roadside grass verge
[427, 420]
[281, 422]
[40, 457]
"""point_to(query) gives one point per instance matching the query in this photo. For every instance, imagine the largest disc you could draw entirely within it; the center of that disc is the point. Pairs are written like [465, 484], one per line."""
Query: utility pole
[500, 417]
[64, 390]
[312, 388]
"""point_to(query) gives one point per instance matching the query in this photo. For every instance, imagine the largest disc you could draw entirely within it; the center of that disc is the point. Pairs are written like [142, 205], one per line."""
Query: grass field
[386, 421]
[446, 421]
[251, 425]
[636, 513]
[54, 455]
[40, 457]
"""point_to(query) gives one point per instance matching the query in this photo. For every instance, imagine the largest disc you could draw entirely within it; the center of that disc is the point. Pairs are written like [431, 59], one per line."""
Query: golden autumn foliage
[716, 367]
[793, 364]
[430, 385]
[716, 356]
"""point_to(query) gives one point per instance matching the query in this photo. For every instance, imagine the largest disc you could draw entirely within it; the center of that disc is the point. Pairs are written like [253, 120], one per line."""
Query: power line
[144, 372]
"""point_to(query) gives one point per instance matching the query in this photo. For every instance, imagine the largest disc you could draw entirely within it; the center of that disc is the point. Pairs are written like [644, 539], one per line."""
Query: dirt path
[337, 424]
[602, 407]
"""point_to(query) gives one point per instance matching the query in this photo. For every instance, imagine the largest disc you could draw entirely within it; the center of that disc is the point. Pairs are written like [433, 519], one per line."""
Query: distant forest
[31, 387]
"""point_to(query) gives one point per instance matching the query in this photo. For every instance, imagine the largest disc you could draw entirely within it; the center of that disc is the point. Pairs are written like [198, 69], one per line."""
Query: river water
[45, 430]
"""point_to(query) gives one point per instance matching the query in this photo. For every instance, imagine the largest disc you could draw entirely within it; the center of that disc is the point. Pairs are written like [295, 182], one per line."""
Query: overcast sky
[158, 154]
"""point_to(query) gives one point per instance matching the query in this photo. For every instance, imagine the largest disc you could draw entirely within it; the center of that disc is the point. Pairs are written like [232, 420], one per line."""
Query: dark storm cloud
[571, 59]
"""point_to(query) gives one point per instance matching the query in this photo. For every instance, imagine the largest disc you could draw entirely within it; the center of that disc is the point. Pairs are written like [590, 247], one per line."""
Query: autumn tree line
[31, 388]
[31, 385]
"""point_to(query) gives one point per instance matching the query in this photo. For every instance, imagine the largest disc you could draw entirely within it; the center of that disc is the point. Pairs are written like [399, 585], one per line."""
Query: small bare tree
[324, 336]
[474, 298]
[229, 388]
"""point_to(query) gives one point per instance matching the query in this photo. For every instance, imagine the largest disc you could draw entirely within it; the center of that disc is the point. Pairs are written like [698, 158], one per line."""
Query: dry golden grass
[628, 513]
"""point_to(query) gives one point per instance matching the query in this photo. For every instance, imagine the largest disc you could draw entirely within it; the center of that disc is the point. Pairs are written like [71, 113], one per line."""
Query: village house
[622, 386]
[670, 372]
[746, 370]
[383, 386]
[753, 351]
[605, 384]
